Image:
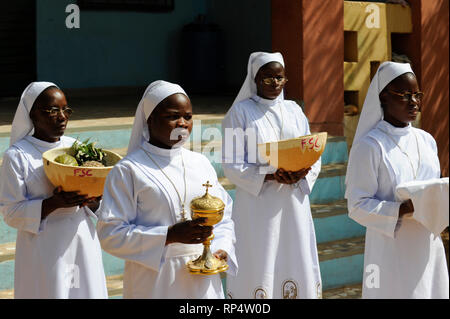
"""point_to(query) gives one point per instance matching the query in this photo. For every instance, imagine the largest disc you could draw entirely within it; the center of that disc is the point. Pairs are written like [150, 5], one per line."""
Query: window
[350, 46]
[128, 5]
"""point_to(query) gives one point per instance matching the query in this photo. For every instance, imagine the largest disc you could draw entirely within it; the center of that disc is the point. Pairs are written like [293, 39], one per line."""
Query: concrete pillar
[309, 34]
[428, 49]
[434, 69]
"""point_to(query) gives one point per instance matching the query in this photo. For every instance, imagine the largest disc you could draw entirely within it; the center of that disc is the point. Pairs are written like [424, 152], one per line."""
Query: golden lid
[207, 203]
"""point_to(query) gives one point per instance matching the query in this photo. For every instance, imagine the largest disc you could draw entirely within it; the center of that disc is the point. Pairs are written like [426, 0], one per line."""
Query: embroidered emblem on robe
[260, 293]
[290, 289]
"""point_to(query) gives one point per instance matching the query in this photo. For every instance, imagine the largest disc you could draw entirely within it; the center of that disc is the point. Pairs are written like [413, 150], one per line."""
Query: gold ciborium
[212, 208]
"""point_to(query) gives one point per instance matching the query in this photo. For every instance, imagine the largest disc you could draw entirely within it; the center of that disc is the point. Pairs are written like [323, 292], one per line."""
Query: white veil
[255, 62]
[21, 124]
[372, 112]
[155, 93]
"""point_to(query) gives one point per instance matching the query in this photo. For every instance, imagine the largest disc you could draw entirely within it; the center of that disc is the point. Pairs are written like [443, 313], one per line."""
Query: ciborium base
[207, 263]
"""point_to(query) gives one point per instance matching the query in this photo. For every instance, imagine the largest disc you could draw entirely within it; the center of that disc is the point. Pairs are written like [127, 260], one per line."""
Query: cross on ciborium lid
[207, 202]
[207, 185]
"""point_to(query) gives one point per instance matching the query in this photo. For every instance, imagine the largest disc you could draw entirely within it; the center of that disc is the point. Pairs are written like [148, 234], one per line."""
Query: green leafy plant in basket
[87, 154]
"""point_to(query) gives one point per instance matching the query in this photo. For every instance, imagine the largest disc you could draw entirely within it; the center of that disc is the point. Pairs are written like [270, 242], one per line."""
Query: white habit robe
[402, 259]
[139, 204]
[276, 243]
[59, 257]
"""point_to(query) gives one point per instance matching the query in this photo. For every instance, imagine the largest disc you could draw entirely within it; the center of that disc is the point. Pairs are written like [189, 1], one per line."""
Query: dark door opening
[17, 46]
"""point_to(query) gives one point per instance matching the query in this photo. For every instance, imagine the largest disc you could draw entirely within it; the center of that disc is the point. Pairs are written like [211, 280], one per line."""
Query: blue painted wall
[111, 48]
[126, 48]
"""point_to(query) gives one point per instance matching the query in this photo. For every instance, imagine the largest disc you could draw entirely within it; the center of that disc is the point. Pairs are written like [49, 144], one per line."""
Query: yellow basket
[87, 180]
[296, 153]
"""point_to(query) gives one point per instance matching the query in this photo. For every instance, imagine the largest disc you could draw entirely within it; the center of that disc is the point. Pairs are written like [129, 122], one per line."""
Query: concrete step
[117, 141]
[115, 290]
[327, 171]
[341, 248]
[7, 251]
[329, 186]
[114, 285]
[327, 198]
[345, 292]
[328, 208]
[114, 133]
[113, 266]
[331, 222]
[341, 264]
[334, 172]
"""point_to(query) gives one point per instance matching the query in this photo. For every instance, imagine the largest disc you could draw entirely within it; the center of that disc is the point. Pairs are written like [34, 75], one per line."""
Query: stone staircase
[340, 240]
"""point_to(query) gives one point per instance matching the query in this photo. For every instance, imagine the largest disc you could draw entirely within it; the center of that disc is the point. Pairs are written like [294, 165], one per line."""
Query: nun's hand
[92, 202]
[61, 199]
[302, 173]
[284, 177]
[406, 207]
[189, 232]
[221, 254]
[290, 177]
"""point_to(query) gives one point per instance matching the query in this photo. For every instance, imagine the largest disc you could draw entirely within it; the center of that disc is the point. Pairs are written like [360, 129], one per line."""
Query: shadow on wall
[321, 78]
[435, 81]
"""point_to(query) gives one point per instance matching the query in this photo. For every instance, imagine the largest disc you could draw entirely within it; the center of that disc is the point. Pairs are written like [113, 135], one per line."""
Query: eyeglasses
[54, 111]
[407, 96]
[276, 80]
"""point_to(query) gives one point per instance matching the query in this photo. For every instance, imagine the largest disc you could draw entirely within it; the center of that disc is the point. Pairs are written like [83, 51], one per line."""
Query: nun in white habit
[402, 259]
[145, 216]
[58, 254]
[276, 242]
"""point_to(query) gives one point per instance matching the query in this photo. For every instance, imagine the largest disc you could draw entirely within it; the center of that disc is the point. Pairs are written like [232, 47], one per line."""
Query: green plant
[84, 151]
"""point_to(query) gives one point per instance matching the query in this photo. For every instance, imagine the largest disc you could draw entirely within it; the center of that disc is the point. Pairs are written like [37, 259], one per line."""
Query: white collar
[42, 143]
[391, 129]
[266, 102]
[172, 152]
[372, 112]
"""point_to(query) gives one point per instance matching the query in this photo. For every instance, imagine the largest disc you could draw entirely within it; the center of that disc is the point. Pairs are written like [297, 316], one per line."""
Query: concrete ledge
[7, 294]
[115, 289]
[114, 285]
[331, 170]
[7, 251]
[346, 292]
[329, 209]
[112, 123]
[341, 248]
